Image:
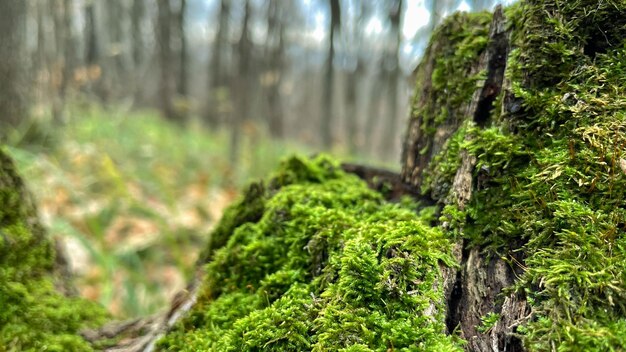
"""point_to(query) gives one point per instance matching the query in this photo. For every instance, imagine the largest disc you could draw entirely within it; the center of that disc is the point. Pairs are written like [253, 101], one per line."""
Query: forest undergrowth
[132, 196]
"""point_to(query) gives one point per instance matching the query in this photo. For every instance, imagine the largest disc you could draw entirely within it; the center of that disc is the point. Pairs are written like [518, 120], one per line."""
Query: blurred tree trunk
[13, 61]
[183, 89]
[273, 75]
[354, 37]
[374, 114]
[92, 48]
[71, 44]
[138, 12]
[219, 73]
[64, 56]
[352, 126]
[391, 63]
[56, 8]
[40, 55]
[329, 78]
[117, 70]
[166, 60]
[244, 52]
[92, 54]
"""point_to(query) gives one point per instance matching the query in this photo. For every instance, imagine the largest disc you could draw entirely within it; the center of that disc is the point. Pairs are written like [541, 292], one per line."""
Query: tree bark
[475, 288]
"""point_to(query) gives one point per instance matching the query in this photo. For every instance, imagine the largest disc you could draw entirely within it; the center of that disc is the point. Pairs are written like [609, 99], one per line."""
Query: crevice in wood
[453, 319]
[495, 56]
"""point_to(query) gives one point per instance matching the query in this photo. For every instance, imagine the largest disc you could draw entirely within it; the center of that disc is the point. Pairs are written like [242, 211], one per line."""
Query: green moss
[250, 208]
[329, 266]
[33, 315]
[488, 322]
[557, 37]
[456, 45]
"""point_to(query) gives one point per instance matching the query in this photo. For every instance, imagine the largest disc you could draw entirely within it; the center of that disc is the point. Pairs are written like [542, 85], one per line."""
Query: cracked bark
[477, 286]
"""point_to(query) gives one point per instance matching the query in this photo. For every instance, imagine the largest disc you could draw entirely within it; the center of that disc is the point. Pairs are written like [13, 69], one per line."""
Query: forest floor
[133, 197]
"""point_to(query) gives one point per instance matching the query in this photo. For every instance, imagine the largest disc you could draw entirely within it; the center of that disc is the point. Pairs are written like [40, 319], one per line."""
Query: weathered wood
[141, 334]
[387, 182]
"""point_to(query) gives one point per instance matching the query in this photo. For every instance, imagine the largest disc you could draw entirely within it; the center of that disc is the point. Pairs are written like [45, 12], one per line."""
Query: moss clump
[33, 315]
[328, 265]
[555, 37]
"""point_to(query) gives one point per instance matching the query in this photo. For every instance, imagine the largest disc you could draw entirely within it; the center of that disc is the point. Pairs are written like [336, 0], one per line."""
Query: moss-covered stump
[516, 153]
[518, 132]
[35, 314]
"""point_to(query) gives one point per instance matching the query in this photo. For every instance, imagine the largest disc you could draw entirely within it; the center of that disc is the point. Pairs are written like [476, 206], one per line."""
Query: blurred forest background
[134, 121]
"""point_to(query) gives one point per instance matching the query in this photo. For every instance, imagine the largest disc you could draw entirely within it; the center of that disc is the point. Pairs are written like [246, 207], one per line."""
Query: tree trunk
[119, 62]
[92, 52]
[13, 65]
[71, 44]
[166, 60]
[329, 77]
[275, 69]
[476, 288]
[183, 89]
[391, 62]
[241, 85]
[64, 58]
[219, 104]
[137, 15]
[138, 12]
[352, 118]
[374, 114]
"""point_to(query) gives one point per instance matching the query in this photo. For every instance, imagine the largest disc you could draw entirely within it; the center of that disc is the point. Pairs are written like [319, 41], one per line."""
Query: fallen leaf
[622, 164]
